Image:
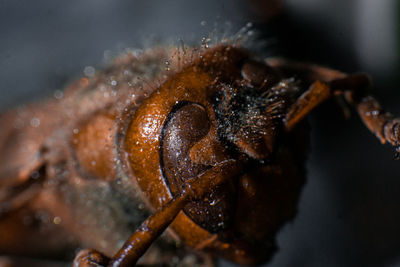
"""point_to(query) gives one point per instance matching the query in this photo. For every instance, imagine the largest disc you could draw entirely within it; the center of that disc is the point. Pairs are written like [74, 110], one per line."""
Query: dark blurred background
[349, 211]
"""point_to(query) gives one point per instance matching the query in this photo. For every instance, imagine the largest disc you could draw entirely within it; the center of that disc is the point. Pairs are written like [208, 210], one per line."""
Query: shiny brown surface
[204, 149]
[188, 125]
[93, 146]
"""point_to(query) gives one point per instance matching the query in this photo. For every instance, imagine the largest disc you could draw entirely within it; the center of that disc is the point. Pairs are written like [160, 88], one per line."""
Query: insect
[210, 157]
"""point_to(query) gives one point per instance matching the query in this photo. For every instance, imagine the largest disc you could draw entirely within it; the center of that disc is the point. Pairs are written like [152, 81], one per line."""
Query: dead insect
[216, 153]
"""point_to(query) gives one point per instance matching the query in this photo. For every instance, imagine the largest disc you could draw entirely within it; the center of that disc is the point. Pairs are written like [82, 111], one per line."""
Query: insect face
[211, 112]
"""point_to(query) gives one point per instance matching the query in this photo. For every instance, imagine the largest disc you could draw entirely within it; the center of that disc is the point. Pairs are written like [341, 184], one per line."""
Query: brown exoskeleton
[215, 154]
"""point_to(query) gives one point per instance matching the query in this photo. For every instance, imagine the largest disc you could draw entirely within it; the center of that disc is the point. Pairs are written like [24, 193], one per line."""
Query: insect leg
[305, 71]
[154, 226]
[314, 96]
[354, 87]
[383, 124]
[320, 91]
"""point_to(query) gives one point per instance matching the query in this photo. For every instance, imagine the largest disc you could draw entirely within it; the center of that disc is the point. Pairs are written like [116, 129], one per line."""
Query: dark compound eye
[186, 125]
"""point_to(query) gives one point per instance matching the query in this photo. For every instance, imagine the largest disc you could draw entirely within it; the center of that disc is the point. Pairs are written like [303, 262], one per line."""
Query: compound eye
[187, 124]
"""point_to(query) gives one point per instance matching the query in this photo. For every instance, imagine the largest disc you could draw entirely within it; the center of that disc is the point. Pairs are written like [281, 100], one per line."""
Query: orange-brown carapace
[209, 148]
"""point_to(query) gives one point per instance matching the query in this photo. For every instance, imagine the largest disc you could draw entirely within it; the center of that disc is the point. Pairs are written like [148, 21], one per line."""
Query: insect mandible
[213, 153]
